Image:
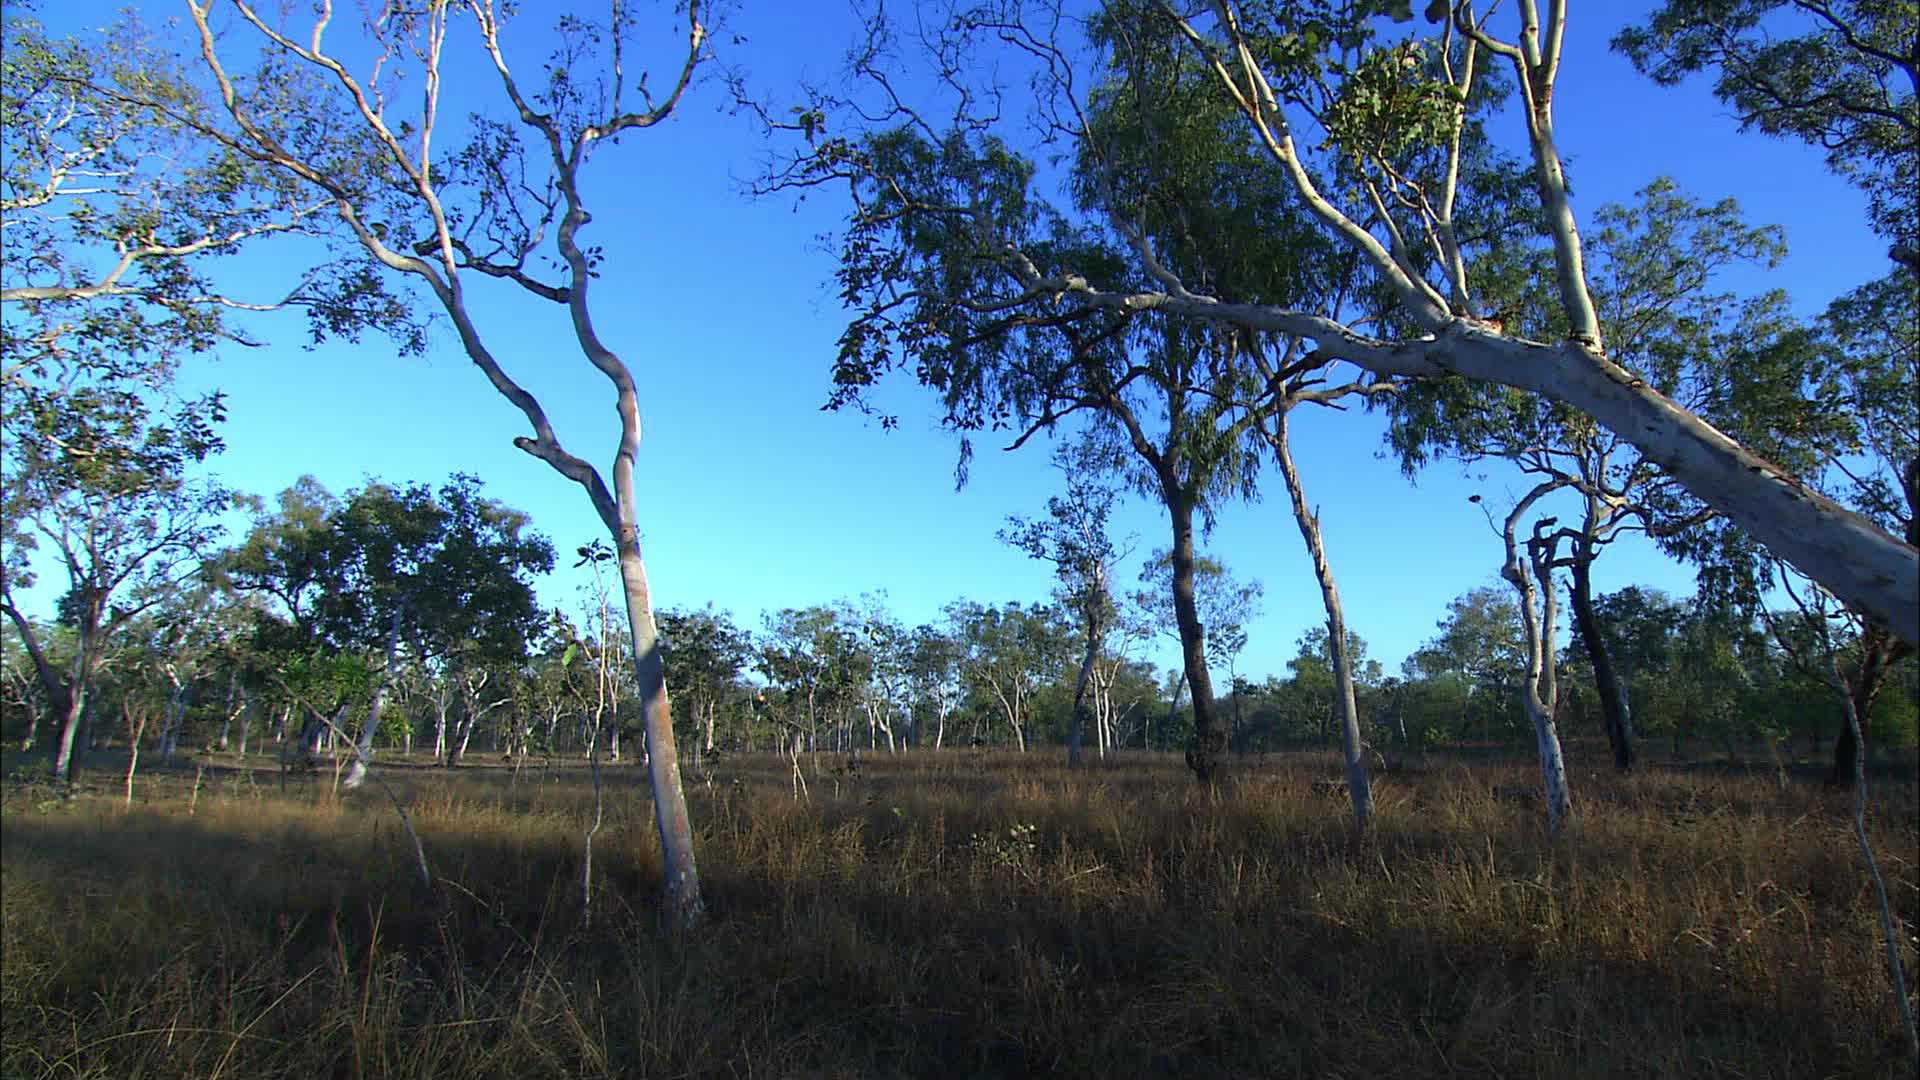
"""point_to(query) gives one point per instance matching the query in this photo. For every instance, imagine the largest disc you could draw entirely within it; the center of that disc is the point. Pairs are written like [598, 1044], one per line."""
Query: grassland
[963, 914]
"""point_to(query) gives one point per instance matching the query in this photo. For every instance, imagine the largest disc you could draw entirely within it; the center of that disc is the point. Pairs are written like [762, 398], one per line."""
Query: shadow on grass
[874, 932]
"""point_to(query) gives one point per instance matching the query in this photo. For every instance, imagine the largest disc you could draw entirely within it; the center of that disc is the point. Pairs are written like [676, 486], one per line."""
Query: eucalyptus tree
[705, 654]
[168, 660]
[501, 203]
[1529, 566]
[1480, 642]
[1874, 334]
[1220, 601]
[1823, 624]
[1316, 675]
[117, 220]
[1012, 650]
[1747, 366]
[1630, 632]
[1845, 77]
[242, 666]
[1073, 537]
[1840, 75]
[1867, 346]
[25, 694]
[1179, 397]
[934, 665]
[186, 651]
[110, 492]
[887, 648]
[444, 572]
[1338, 106]
[1289, 392]
[1126, 690]
[796, 654]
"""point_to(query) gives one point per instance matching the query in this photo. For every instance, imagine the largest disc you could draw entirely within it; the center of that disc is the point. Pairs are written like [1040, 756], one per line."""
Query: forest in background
[1151, 267]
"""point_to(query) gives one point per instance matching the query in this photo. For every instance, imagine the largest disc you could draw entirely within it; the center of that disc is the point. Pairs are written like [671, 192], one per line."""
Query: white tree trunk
[683, 904]
[1867, 567]
[176, 716]
[363, 749]
[1539, 691]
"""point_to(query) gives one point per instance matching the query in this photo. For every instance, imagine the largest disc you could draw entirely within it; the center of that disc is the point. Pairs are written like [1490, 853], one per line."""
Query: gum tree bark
[1865, 566]
[1073, 537]
[1532, 578]
[1082, 701]
[560, 135]
[363, 747]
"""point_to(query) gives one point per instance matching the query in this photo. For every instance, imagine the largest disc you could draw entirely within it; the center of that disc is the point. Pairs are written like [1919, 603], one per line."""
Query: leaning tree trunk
[63, 758]
[1359, 787]
[1889, 936]
[1878, 653]
[1614, 706]
[363, 747]
[1207, 756]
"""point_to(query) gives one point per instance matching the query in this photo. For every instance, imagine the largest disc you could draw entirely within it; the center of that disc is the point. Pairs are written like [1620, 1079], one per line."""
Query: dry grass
[955, 915]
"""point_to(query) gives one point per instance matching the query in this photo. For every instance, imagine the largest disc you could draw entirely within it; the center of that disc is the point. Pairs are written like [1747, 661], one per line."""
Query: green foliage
[1839, 76]
[1073, 537]
[335, 580]
[1225, 605]
[1874, 334]
[1380, 113]
[453, 567]
[1012, 652]
[1746, 366]
[1480, 645]
[705, 654]
[117, 211]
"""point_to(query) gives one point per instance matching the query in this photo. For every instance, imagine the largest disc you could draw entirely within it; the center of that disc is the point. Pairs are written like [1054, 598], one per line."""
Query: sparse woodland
[315, 783]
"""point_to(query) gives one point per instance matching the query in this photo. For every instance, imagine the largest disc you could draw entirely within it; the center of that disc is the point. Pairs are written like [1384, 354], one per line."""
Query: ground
[958, 914]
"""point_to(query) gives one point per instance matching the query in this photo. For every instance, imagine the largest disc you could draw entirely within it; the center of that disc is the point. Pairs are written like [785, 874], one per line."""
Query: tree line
[1250, 209]
[403, 620]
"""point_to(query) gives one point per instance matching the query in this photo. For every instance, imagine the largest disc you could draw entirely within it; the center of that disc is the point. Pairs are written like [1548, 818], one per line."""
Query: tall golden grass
[956, 914]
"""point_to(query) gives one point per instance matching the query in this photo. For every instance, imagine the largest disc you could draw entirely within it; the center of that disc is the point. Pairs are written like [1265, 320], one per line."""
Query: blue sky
[752, 499]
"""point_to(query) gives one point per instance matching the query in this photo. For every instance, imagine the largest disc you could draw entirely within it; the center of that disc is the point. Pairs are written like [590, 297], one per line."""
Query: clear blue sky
[752, 499]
